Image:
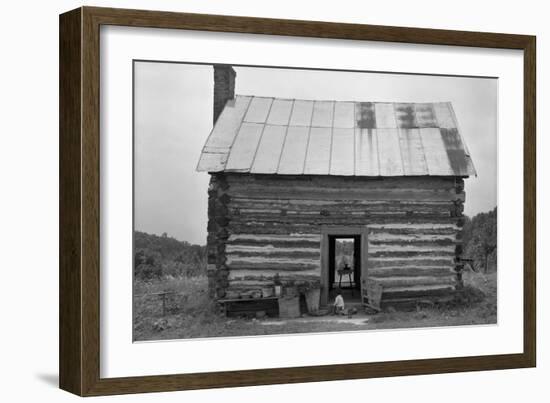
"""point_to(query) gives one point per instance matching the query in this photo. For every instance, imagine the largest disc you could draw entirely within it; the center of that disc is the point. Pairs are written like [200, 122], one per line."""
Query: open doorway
[344, 266]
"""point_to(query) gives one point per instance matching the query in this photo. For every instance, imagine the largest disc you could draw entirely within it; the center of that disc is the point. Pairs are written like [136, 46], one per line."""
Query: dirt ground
[191, 314]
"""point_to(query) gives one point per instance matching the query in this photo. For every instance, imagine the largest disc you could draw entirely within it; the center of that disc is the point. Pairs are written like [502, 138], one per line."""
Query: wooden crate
[289, 307]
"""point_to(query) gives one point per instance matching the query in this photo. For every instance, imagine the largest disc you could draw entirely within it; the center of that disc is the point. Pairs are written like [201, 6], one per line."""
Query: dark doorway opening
[345, 266]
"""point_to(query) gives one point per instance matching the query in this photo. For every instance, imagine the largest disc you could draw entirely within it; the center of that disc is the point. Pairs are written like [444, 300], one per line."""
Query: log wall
[261, 225]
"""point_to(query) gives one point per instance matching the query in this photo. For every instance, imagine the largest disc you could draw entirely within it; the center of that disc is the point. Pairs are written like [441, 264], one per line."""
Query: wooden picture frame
[79, 348]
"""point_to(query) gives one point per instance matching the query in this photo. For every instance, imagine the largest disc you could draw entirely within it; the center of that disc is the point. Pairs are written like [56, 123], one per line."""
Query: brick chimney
[224, 87]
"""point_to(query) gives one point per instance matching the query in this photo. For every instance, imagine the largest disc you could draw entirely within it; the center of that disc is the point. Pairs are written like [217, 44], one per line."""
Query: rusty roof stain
[306, 137]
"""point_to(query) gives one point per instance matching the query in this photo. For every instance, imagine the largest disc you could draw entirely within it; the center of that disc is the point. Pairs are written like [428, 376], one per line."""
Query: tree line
[479, 235]
[159, 256]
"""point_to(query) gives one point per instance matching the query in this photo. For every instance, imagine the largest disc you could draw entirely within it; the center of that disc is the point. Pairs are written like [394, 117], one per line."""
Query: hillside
[157, 256]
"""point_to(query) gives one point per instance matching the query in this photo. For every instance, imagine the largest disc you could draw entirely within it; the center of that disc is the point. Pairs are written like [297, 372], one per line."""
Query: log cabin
[289, 177]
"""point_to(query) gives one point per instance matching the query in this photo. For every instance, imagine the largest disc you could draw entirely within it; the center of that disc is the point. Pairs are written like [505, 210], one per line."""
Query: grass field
[190, 313]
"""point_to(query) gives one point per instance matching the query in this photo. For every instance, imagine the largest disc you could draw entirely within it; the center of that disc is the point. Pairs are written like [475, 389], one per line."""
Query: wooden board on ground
[374, 294]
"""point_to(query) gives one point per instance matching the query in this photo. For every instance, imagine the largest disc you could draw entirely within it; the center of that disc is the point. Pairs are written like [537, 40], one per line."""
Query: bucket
[313, 297]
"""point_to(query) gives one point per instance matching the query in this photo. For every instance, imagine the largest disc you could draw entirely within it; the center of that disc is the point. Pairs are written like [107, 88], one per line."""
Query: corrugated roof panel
[344, 115]
[435, 152]
[366, 152]
[460, 162]
[227, 126]
[322, 114]
[342, 159]
[471, 170]
[294, 151]
[336, 138]
[269, 150]
[405, 116]
[244, 148]
[280, 112]
[212, 162]
[389, 153]
[301, 113]
[365, 116]
[318, 151]
[412, 152]
[258, 110]
[444, 115]
[385, 116]
[425, 115]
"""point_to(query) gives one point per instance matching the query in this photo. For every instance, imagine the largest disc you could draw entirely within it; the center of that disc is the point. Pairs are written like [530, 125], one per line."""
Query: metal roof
[294, 137]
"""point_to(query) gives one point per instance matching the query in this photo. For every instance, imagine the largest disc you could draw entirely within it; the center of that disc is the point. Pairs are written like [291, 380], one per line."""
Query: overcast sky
[173, 117]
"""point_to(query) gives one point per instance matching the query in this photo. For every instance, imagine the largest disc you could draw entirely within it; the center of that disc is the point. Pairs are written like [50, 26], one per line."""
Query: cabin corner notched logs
[261, 225]
[283, 171]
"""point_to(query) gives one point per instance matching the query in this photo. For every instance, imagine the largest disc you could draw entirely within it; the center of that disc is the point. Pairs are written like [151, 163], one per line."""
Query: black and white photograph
[265, 202]
[271, 200]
